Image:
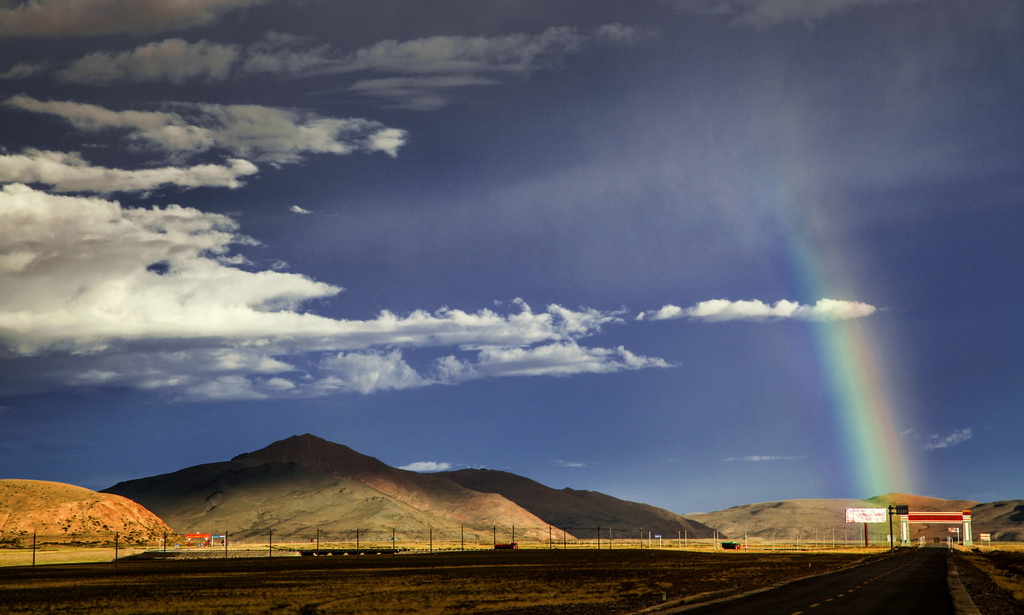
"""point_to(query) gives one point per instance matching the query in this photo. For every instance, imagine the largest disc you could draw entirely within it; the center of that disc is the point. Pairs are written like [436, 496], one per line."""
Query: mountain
[579, 512]
[790, 520]
[304, 484]
[1003, 519]
[59, 511]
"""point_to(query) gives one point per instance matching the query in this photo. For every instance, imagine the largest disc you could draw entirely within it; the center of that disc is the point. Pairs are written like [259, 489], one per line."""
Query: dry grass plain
[1003, 565]
[528, 582]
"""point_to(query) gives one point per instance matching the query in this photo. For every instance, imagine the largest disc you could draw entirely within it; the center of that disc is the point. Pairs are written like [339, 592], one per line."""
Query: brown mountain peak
[317, 454]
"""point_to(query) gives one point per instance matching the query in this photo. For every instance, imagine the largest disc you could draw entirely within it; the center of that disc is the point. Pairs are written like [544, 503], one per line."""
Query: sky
[693, 253]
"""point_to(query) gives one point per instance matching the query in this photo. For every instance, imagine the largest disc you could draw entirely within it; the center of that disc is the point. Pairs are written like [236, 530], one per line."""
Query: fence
[25, 548]
[33, 549]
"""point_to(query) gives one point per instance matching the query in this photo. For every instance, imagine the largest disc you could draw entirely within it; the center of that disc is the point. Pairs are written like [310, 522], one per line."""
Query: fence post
[33, 550]
[116, 536]
[270, 545]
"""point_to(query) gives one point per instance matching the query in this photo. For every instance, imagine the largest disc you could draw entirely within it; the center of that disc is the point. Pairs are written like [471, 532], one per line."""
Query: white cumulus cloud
[22, 70]
[175, 60]
[565, 463]
[959, 436]
[69, 172]
[724, 309]
[427, 466]
[563, 358]
[248, 131]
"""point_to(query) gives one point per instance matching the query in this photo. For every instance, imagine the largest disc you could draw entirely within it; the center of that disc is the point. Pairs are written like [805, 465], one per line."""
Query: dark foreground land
[912, 582]
[526, 582]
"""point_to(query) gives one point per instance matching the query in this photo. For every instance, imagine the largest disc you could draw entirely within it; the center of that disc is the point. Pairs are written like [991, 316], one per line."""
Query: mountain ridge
[580, 512]
[304, 483]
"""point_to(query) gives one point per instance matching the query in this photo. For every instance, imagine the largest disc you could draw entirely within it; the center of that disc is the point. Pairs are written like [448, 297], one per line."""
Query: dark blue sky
[693, 254]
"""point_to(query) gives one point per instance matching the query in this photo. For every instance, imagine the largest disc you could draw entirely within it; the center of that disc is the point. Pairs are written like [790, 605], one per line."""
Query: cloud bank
[158, 299]
[411, 74]
[719, 310]
[768, 13]
[154, 299]
[95, 17]
[260, 133]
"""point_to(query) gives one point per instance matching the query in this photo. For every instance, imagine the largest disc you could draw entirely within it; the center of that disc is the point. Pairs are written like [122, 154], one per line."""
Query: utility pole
[890, 529]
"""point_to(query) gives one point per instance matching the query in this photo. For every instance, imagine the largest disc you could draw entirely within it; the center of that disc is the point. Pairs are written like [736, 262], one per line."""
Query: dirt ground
[529, 582]
[994, 579]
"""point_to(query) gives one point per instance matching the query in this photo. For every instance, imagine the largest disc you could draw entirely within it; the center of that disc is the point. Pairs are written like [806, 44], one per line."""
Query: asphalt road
[910, 583]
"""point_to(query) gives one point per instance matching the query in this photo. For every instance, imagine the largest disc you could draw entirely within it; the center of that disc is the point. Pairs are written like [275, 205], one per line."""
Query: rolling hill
[60, 511]
[804, 520]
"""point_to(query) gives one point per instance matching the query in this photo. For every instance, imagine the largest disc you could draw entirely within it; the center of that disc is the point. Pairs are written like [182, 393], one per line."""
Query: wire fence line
[24, 548]
[549, 536]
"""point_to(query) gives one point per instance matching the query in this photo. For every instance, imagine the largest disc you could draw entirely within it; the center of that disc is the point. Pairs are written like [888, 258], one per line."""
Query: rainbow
[875, 461]
[859, 385]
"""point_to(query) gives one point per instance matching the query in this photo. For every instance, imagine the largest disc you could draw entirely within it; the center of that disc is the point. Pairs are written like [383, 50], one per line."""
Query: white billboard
[866, 515]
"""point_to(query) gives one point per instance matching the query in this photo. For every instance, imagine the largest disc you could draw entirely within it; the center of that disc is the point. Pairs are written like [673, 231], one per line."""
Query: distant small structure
[204, 540]
[507, 545]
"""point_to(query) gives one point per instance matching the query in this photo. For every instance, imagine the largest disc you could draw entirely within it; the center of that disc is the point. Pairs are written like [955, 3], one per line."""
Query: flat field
[528, 582]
